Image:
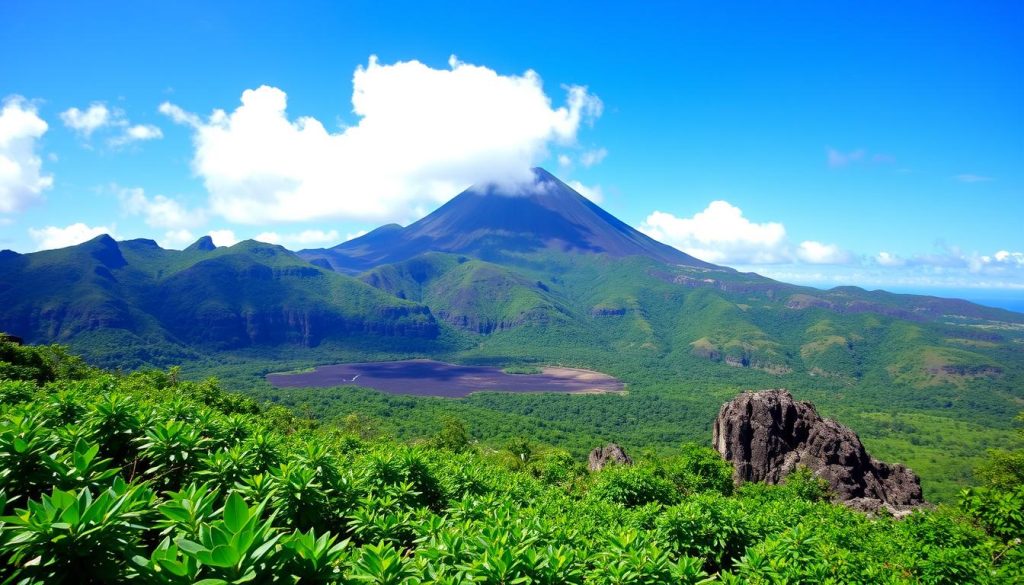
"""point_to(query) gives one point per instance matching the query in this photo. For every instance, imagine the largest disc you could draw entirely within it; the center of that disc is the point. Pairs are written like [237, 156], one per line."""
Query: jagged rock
[609, 454]
[767, 434]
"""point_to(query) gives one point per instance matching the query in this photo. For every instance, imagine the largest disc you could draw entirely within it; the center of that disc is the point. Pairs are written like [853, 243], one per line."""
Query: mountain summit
[492, 222]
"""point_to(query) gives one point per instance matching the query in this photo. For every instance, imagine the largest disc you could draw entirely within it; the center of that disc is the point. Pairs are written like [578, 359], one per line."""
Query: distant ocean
[1009, 300]
[1009, 304]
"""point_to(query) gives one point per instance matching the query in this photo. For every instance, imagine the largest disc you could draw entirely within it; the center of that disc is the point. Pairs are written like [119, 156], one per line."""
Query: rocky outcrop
[610, 454]
[767, 434]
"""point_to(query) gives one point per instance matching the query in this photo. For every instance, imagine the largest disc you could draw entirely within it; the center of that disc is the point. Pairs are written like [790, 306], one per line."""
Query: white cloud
[21, 179]
[875, 277]
[593, 157]
[137, 133]
[720, 234]
[358, 234]
[1004, 258]
[87, 121]
[423, 135]
[564, 161]
[594, 193]
[887, 259]
[223, 237]
[813, 252]
[838, 159]
[177, 239]
[160, 211]
[51, 237]
[98, 116]
[969, 178]
[951, 260]
[180, 116]
[268, 238]
[302, 239]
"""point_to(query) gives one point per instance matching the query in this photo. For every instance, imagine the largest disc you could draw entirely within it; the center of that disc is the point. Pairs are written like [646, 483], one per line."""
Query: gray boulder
[610, 454]
[767, 434]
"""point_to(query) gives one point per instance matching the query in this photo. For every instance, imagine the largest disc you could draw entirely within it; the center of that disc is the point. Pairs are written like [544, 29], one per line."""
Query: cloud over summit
[423, 134]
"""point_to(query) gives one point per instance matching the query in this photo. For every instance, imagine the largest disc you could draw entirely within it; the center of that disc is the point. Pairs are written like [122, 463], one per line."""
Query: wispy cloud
[838, 159]
[99, 117]
[593, 157]
[303, 239]
[972, 178]
[159, 211]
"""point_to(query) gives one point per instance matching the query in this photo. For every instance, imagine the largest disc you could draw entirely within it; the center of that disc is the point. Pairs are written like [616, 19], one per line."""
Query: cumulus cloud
[422, 136]
[22, 181]
[87, 121]
[223, 237]
[887, 259]
[1005, 257]
[947, 267]
[51, 237]
[594, 193]
[953, 260]
[98, 116]
[137, 133]
[160, 211]
[721, 234]
[303, 239]
[177, 239]
[970, 178]
[813, 252]
[593, 157]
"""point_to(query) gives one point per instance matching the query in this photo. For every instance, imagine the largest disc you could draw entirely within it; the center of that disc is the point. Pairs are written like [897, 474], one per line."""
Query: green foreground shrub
[145, 478]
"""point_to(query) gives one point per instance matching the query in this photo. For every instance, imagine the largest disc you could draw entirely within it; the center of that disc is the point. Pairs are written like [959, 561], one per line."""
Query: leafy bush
[699, 469]
[633, 485]
[150, 479]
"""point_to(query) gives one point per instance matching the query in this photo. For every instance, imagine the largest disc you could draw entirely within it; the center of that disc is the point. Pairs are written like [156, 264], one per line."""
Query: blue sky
[801, 141]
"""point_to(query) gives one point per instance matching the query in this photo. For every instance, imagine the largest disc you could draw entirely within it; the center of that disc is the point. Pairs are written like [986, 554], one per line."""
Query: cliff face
[767, 434]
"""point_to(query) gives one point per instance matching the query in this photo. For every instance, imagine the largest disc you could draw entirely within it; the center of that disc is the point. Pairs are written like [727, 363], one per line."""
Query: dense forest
[108, 477]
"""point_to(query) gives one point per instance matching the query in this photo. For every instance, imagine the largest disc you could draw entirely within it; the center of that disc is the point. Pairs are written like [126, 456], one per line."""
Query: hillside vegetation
[144, 477]
[541, 278]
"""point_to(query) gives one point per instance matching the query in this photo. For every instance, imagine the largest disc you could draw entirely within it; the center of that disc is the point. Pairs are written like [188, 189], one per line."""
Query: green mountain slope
[133, 302]
[541, 278]
[471, 295]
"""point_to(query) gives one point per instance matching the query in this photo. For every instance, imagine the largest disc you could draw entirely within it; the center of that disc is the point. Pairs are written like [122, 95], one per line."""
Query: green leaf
[236, 513]
[224, 556]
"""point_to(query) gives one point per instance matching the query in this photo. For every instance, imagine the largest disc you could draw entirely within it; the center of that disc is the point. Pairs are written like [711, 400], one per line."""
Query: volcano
[496, 223]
